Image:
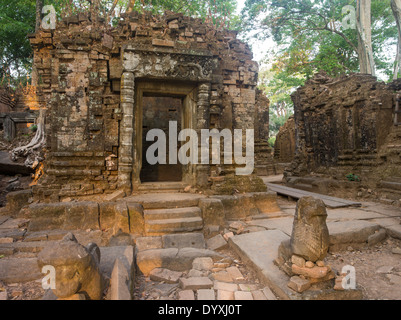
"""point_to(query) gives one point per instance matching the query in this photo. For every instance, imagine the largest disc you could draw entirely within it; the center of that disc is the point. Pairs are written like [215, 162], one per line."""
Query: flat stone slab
[120, 282]
[216, 243]
[224, 286]
[19, 270]
[3, 219]
[148, 243]
[330, 202]
[357, 231]
[14, 224]
[172, 258]
[386, 222]
[203, 264]
[225, 295]
[242, 295]
[259, 250]
[186, 295]
[16, 234]
[166, 200]
[352, 214]
[206, 294]
[185, 240]
[389, 211]
[30, 247]
[394, 231]
[283, 224]
[165, 275]
[196, 283]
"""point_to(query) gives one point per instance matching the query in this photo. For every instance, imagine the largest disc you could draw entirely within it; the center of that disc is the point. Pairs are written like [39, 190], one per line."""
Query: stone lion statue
[77, 269]
[310, 235]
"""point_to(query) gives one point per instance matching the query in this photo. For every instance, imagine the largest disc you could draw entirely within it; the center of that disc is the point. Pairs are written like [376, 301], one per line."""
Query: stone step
[177, 213]
[162, 187]
[166, 200]
[396, 186]
[167, 226]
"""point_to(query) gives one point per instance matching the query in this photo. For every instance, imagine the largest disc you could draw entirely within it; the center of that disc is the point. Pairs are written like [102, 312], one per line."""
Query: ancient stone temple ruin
[347, 133]
[104, 89]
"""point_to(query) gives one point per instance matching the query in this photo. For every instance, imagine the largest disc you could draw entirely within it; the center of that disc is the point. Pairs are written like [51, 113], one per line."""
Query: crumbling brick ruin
[284, 147]
[98, 83]
[18, 111]
[347, 137]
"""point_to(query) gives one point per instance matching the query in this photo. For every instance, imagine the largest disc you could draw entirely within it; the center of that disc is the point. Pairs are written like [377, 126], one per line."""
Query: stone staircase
[170, 213]
[177, 220]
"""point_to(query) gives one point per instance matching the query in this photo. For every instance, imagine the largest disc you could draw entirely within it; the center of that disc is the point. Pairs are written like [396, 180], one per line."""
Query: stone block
[269, 294]
[225, 286]
[266, 202]
[212, 211]
[16, 270]
[120, 282]
[258, 295]
[18, 199]
[165, 275]
[299, 285]
[377, 237]
[225, 295]
[394, 231]
[203, 264]
[136, 218]
[186, 240]
[242, 295]
[148, 243]
[196, 283]
[109, 255]
[206, 295]
[172, 258]
[222, 276]
[216, 243]
[235, 273]
[186, 295]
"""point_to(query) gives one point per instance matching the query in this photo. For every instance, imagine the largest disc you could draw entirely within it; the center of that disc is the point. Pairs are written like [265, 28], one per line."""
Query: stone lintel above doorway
[169, 64]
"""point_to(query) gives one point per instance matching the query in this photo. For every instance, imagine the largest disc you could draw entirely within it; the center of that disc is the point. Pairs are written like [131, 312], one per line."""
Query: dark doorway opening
[158, 111]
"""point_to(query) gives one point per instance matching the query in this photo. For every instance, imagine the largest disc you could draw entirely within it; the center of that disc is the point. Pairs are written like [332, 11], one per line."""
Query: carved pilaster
[203, 122]
[126, 131]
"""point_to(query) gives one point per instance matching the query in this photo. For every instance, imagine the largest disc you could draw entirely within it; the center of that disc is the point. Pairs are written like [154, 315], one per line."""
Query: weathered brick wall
[284, 147]
[79, 67]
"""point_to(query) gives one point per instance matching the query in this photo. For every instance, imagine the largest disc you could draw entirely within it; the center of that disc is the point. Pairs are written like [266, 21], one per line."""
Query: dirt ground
[378, 269]
[145, 289]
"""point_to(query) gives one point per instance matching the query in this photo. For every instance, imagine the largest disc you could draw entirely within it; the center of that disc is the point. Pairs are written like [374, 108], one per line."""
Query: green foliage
[272, 141]
[314, 27]
[352, 177]
[17, 20]
[309, 38]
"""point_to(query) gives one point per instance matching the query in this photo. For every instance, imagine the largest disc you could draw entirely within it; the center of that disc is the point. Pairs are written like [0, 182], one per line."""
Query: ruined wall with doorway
[284, 147]
[345, 132]
[86, 78]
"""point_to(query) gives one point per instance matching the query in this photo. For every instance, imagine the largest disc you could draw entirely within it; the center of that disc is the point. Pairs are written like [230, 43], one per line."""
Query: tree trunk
[396, 7]
[39, 6]
[364, 27]
[33, 151]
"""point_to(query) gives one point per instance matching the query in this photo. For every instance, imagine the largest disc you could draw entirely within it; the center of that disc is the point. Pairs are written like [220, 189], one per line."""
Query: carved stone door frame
[185, 74]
